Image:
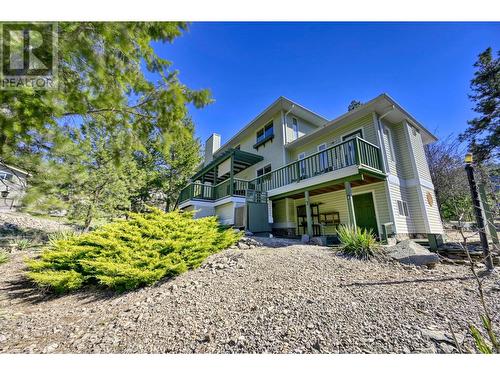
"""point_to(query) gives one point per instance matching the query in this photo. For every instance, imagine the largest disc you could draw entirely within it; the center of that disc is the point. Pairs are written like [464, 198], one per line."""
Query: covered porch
[216, 180]
[319, 210]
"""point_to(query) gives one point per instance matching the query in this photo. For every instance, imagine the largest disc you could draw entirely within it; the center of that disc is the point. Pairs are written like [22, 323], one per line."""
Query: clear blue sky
[426, 67]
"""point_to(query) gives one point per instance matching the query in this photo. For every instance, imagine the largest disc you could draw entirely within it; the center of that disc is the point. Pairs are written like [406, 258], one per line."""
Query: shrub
[23, 244]
[128, 254]
[3, 257]
[358, 243]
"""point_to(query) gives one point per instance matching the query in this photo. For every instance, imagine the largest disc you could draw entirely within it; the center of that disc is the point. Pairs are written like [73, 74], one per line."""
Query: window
[265, 132]
[388, 135]
[302, 164]
[295, 128]
[403, 208]
[322, 157]
[264, 170]
[357, 133]
[6, 176]
[238, 147]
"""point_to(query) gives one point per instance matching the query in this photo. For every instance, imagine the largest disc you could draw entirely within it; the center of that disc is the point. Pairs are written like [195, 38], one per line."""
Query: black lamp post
[488, 261]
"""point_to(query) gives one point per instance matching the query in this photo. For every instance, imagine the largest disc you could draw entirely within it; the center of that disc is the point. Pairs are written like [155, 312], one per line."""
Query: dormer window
[263, 135]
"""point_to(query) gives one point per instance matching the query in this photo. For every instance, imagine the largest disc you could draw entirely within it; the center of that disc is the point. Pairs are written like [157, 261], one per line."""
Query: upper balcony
[343, 160]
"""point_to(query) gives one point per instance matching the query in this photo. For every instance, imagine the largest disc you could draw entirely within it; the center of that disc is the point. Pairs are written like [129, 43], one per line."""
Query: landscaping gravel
[278, 297]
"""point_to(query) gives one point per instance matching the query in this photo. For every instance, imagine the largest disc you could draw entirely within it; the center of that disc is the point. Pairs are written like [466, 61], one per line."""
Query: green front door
[364, 211]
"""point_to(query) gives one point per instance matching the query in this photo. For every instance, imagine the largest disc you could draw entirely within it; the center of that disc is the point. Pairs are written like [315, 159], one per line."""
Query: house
[13, 183]
[293, 172]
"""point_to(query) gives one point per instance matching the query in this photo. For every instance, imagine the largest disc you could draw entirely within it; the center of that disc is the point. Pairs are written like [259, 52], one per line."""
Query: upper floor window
[302, 164]
[265, 132]
[295, 128]
[322, 156]
[357, 133]
[264, 170]
[6, 176]
[388, 135]
[263, 135]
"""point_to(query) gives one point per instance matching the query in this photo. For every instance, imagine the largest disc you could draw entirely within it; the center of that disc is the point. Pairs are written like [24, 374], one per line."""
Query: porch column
[308, 214]
[350, 205]
[231, 176]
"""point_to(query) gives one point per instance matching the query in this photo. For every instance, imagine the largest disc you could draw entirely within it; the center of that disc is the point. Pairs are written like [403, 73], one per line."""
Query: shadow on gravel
[25, 291]
[402, 282]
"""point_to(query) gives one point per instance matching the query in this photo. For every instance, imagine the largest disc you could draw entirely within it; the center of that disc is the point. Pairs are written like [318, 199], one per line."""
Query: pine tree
[483, 133]
[353, 105]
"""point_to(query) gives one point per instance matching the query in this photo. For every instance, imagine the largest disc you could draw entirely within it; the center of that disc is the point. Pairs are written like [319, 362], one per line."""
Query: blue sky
[426, 67]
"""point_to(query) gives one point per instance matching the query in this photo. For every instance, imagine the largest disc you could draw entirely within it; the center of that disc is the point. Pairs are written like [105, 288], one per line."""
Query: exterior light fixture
[468, 158]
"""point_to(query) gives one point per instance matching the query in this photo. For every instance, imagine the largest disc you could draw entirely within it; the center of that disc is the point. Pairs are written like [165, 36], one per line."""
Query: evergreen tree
[168, 170]
[102, 70]
[86, 177]
[483, 133]
[353, 105]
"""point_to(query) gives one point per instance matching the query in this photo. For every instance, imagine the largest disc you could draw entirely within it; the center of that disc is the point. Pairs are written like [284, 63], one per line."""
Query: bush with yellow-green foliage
[127, 254]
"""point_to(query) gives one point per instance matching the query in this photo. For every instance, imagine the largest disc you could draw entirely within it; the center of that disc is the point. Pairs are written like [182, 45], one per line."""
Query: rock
[411, 253]
[50, 348]
[318, 241]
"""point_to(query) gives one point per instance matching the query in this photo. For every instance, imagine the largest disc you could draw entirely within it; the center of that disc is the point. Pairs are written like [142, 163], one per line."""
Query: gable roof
[279, 104]
[382, 104]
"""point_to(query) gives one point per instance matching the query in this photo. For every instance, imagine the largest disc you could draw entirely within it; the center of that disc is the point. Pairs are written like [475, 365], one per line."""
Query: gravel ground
[288, 299]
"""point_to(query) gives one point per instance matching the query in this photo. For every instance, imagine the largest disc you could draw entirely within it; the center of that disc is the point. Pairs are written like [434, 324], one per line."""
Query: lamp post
[477, 210]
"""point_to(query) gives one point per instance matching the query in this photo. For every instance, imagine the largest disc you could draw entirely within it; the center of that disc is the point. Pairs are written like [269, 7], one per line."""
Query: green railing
[355, 151]
[351, 152]
[198, 191]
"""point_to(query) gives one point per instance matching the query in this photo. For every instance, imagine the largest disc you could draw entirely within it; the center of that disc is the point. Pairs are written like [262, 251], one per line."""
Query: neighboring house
[13, 183]
[293, 172]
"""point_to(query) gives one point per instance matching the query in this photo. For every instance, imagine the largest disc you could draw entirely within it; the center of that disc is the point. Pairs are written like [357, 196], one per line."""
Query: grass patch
[358, 243]
[128, 254]
[4, 258]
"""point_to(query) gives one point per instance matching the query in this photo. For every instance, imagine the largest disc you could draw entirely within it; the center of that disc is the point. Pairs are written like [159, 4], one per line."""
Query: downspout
[381, 137]
[386, 167]
[285, 131]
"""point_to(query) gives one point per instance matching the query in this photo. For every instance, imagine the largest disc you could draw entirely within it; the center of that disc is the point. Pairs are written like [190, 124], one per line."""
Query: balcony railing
[355, 151]
[198, 191]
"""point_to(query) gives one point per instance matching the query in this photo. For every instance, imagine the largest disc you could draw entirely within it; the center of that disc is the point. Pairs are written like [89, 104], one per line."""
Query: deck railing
[354, 151]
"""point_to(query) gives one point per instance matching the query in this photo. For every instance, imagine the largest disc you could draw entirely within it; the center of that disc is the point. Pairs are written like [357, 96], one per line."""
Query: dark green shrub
[128, 254]
[358, 243]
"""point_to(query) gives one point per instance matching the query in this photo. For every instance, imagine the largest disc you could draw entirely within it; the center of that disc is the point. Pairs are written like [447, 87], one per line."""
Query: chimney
[211, 146]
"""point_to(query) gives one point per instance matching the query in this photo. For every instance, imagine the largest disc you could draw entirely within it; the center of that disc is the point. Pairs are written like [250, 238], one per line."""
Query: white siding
[364, 123]
[225, 213]
[337, 201]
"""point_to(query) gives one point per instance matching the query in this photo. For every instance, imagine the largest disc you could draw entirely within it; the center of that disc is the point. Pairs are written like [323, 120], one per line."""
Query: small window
[403, 208]
[264, 170]
[302, 164]
[322, 156]
[265, 132]
[357, 133]
[388, 135]
[6, 176]
[295, 128]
